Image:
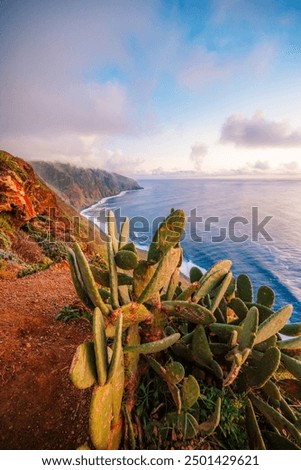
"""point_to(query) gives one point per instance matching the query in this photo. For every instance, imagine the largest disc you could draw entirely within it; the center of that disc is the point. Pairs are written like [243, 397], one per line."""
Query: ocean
[255, 223]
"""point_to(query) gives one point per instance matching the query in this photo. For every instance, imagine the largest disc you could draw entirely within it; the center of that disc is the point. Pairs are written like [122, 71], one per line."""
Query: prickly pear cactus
[151, 326]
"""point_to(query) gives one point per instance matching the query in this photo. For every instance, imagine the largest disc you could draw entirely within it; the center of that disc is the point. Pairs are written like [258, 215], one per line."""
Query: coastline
[187, 264]
[107, 198]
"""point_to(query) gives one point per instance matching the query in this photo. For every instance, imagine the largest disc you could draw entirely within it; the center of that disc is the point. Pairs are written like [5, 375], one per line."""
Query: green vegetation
[11, 164]
[5, 229]
[34, 268]
[182, 363]
[52, 249]
[69, 313]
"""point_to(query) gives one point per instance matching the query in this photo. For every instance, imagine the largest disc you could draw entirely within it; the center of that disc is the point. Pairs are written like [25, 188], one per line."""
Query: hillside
[35, 223]
[82, 187]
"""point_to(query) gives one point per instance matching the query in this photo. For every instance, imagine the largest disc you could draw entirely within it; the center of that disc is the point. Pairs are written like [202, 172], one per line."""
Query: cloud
[258, 132]
[261, 165]
[290, 167]
[80, 150]
[197, 155]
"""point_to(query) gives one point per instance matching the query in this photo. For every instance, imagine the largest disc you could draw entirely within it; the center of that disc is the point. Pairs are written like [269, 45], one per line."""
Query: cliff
[82, 187]
[35, 223]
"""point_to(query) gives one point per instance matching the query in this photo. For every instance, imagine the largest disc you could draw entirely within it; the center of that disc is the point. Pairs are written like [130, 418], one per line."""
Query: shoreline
[107, 198]
[187, 264]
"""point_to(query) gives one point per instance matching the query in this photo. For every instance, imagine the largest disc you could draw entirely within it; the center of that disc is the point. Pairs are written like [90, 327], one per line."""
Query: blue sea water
[272, 258]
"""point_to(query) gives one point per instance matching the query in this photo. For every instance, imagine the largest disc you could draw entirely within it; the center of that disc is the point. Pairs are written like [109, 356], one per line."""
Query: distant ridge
[81, 187]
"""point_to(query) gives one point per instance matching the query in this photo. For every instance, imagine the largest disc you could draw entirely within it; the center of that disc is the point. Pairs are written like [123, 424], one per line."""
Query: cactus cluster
[210, 330]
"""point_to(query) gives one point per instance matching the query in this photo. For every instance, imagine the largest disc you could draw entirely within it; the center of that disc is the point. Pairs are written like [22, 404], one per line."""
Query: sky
[154, 88]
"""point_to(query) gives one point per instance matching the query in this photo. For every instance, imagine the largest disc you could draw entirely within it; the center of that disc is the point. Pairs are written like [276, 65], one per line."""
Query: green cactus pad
[175, 372]
[249, 329]
[239, 307]
[112, 230]
[160, 370]
[126, 259]
[208, 427]
[116, 433]
[103, 277]
[291, 329]
[101, 413]
[190, 392]
[185, 423]
[221, 291]
[142, 277]
[195, 274]
[231, 288]
[224, 331]
[200, 346]
[134, 313]
[117, 382]
[292, 365]
[132, 359]
[264, 312]
[255, 437]
[173, 283]
[113, 275]
[244, 288]
[83, 368]
[275, 418]
[187, 311]
[212, 278]
[273, 324]
[162, 274]
[278, 442]
[272, 391]
[104, 294]
[202, 352]
[77, 281]
[219, 349]
[124, 235]
[88, 280]
[154, 346]
[100, 346]
[288, 412]
[167, 236]
[188, 292]
[130, 247]
[268, 343]
[266, 368]
[266, 296]
[117, 349]
[293, 343]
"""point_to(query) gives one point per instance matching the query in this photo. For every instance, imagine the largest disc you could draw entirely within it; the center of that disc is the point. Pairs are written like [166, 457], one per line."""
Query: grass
[69, 313]
[12, 165]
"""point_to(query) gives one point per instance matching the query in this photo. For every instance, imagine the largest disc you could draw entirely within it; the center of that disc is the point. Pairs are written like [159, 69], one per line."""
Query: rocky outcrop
[34, 221]
[82, 187]
[23, 195]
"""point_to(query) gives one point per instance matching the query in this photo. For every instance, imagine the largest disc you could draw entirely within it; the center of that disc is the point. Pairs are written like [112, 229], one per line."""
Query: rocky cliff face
[35, 223]
[23, 195]
[81, 187]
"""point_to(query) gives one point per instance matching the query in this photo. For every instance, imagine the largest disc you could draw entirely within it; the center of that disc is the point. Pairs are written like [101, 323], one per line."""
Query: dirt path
[39, 406]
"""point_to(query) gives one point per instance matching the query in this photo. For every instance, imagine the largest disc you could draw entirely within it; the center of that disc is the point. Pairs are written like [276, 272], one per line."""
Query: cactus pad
[83, 368]
[266, 296]
[126, 259]
[175, 372]
[190, 392]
